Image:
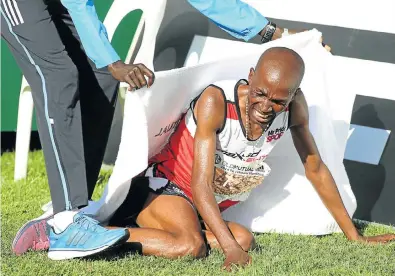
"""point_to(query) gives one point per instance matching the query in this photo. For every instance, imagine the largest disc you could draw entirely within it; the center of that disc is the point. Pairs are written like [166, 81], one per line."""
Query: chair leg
[23, 133]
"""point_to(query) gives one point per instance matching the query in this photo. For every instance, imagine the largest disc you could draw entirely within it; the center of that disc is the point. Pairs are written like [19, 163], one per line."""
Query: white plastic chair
[153, 12]
[23, 130]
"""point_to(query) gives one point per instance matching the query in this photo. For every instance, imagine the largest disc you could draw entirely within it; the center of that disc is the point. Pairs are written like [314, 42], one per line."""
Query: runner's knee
[193, 246]
[245, 239]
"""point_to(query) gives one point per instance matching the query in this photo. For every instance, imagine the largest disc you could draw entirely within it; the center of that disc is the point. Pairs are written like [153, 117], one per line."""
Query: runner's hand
[377, 239]
[236, 257]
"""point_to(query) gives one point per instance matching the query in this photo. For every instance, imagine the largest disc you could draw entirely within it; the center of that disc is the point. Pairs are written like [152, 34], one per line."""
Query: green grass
[276, 254]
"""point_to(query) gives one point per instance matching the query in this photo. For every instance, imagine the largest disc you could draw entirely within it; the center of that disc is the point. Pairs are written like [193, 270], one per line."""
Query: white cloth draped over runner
[286, 202]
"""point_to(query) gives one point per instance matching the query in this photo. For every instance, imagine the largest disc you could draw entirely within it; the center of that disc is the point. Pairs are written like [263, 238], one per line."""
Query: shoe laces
[87, 223]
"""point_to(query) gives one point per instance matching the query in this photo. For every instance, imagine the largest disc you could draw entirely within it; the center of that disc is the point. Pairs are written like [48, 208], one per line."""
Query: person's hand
[377, 239]
[279, 32]
[133, 74]
[236, 256]
[327, 47]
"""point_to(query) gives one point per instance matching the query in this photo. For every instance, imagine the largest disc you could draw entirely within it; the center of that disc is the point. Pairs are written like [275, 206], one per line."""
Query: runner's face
[267, 98]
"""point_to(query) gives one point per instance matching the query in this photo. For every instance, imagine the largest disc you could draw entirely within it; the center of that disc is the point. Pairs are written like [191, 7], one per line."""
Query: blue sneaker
[82, 238]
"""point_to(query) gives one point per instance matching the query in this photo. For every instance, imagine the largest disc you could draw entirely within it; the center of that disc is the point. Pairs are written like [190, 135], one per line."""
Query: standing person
[75, 99]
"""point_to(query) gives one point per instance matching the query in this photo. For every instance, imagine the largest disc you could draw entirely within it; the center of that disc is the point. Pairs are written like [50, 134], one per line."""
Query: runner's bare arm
[316, 170]
[319, 175]
[209, 113]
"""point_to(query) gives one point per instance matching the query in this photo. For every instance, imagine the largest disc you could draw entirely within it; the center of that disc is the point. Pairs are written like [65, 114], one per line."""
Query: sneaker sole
[24, 231]
[58, 255]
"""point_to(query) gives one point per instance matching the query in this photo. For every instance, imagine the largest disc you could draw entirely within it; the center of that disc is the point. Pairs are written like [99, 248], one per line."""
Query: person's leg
[241, 234]
[169, 228]
[53, 78]
[28, 29]
[98, 96]
[169, 225]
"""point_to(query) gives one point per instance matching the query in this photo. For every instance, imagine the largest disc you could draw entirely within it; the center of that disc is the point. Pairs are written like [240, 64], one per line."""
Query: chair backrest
[126, 33]
[152, 15]
[117, 20]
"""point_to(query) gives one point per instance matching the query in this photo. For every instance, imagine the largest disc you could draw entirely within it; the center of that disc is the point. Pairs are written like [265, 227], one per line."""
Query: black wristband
[270, 29]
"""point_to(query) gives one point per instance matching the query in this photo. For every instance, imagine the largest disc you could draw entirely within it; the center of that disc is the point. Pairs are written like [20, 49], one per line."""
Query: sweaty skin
[171, 227]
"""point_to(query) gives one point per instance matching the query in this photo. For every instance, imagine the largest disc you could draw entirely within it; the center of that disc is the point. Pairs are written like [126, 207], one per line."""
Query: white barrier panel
[366, 144]
[286, 202]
